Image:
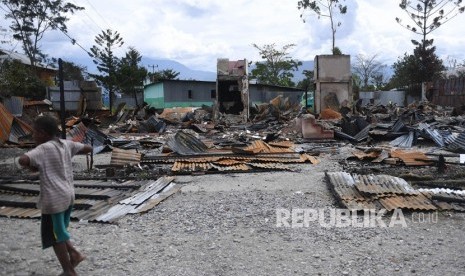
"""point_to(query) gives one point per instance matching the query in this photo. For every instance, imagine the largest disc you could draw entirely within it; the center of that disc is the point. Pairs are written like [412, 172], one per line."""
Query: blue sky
[197, 32]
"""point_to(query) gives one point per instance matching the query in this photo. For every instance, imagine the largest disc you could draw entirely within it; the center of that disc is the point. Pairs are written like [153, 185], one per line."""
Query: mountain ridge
[185, 73]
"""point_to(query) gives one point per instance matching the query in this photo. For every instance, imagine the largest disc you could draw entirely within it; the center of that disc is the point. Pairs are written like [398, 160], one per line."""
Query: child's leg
[61, 252]
[75, 256]
[62, 236]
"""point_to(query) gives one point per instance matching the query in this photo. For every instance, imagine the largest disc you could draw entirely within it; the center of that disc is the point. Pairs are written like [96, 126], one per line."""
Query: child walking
[52, 158]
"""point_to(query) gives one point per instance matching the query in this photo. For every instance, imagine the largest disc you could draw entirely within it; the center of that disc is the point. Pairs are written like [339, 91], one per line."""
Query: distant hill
[185, 72]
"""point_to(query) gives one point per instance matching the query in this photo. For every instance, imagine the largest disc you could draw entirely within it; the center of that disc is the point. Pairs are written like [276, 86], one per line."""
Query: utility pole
[62, 99]
[152, 78]
[153, 68]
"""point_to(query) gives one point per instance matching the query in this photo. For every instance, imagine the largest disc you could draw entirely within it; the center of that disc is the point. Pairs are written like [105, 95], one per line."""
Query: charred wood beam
[456, 183]
[448, 199]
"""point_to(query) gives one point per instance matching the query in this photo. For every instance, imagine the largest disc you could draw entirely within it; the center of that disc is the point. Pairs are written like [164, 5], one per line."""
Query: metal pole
[62, 99]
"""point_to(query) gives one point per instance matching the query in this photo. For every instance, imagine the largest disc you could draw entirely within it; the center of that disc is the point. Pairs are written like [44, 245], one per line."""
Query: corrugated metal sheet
[259, 146]
[92, 204]
[398, 126]
[344, 186]
[362, 134]
[238, 163]
[155, 125]
[6, 120]
[412, 202]
[432, 134]
[457, 144]
[180, 166]
[133, 203]
[282, 144]
[97, 139]
[269, 166]
[283, 158]
[404, 141]
[18, 212]
[412, 158]
[236, 167]
[186, 144]
[77, 133]
[379, 191]
[120, 157]
[14, 105]
[382, 185]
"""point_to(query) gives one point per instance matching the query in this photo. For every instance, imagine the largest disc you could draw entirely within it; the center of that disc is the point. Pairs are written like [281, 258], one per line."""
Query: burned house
[190, 93]
[79, 96]
[333, 82]
[232, 85]
[179, 93]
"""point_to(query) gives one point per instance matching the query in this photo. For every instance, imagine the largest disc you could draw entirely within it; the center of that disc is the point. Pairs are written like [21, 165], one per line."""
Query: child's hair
[47, 124]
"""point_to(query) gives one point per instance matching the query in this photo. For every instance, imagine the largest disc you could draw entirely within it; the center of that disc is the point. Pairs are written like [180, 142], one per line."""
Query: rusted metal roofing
[412, 158]
[408, 202]
[120, 157]
[382, 185]
[371, 154]
[237, 162]
[6, 120]
[77, 133]
[283, 158]
[376, 191]
[181, 166]
[259, 146]
[98, 204]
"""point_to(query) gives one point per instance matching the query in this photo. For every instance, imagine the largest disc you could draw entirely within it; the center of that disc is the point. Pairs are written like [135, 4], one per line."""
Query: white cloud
[197, 32]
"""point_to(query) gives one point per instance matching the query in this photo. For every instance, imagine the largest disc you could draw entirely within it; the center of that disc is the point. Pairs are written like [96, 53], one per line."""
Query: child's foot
[76, 259]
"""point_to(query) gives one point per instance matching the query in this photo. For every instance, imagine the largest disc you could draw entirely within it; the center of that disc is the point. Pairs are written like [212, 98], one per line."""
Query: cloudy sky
[197, 32]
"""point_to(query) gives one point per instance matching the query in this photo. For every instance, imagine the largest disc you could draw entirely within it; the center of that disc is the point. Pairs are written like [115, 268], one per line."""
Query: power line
[91, 19]
[103, 18]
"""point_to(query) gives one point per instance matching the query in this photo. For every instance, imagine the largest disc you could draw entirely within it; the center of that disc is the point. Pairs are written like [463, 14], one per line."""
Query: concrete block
[312, 130]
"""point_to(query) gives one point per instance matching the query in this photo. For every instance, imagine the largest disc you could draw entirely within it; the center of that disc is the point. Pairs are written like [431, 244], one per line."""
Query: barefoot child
[52, 158]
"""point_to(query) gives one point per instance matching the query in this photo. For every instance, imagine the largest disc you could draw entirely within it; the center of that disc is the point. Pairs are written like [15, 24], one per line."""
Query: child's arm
[86, 149]
[24, 161]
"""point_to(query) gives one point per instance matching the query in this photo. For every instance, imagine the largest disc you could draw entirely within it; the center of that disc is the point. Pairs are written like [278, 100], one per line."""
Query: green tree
[325, 8]
[277, 67]
[423, 65]
[368, 68]
[130, 74]
[427, 16]
[307, 83]
[17, 79]
[104, 57]
[72, 71]
[166, 74]
[30, 19]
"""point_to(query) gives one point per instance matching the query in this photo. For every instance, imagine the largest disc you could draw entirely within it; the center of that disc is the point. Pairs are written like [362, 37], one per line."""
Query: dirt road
[228, 225]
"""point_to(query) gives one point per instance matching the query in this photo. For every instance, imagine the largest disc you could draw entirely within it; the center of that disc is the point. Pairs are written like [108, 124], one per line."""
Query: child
[52, 158]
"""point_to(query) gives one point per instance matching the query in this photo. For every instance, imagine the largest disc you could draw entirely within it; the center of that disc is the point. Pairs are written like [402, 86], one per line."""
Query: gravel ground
[227, 225]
